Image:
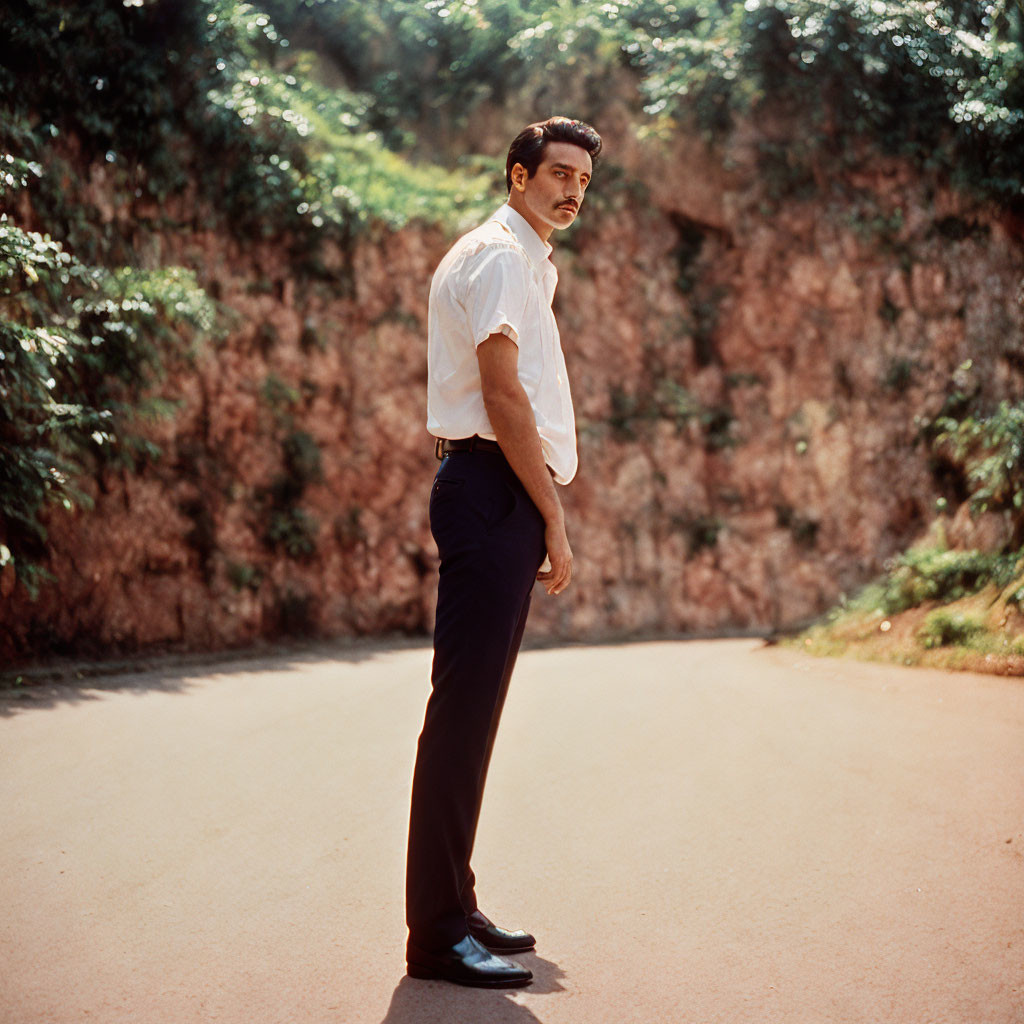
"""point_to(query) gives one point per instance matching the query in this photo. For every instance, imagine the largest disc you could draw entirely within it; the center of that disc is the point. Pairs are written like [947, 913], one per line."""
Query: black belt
[443, 446]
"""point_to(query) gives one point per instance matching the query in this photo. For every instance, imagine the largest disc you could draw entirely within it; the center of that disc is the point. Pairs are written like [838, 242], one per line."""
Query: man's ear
[519, 176]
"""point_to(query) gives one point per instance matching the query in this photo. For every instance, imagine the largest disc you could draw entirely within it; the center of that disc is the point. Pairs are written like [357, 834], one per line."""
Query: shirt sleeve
[497, 292]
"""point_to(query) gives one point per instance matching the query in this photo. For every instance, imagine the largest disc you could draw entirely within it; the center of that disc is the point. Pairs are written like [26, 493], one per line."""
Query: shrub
[989, 447]
[292, 530]
[701, 532]
[936, 574]
[943, 628]
[244, 576]
[302, 458]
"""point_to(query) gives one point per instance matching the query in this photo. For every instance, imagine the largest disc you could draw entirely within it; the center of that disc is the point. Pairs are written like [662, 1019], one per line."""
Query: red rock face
[748, 375]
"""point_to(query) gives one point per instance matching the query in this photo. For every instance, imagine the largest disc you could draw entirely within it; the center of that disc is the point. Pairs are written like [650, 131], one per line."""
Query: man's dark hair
[528, 146]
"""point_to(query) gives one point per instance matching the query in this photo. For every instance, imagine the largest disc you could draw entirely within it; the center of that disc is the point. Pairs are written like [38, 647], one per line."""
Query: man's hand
[557, 578]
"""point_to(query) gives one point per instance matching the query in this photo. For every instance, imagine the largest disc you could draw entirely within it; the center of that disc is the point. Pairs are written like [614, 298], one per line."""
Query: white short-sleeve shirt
[498, 279]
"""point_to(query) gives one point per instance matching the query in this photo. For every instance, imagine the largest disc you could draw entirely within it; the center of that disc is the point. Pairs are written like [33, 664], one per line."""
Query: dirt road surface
[710, 831]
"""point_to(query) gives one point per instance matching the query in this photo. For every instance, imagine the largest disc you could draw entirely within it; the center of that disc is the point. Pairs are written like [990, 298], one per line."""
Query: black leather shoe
[498, 940]
[467, 963]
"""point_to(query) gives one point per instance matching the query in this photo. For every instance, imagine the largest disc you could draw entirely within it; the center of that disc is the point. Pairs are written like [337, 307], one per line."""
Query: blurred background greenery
[333, 113]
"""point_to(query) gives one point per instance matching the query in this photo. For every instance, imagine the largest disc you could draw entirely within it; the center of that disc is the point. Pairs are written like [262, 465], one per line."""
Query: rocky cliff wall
[750, 375]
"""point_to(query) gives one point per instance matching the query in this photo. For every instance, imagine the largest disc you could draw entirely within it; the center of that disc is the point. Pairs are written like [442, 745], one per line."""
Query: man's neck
[543, 230]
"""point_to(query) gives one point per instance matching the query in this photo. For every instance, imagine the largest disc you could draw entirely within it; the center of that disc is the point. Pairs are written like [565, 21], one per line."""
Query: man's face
[554, 193]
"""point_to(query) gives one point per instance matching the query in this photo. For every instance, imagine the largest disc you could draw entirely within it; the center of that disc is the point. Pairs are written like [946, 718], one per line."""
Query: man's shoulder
[488, 239]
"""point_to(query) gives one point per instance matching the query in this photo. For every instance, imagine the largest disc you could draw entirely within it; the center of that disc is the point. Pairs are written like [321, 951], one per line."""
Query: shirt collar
[536, 248]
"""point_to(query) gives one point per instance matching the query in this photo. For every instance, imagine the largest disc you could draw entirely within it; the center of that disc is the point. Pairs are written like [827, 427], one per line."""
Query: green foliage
[216, 93]
[674, 402]
[311, 152]
[989, 448]
[935, 574]
[302, 458]
[700, 531]
[427, 64]
[243, 576]
[899, 374]
[280, 396]
[941, 82]
[671, 401]
[348, 527]
[804, 529]
[292, 530]
[78, 347]
[208, 91]
[943, 628]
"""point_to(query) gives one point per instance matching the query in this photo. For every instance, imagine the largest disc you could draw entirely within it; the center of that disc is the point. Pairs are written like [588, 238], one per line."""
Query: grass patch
[932, 574]
[945, 628]
[942, 609]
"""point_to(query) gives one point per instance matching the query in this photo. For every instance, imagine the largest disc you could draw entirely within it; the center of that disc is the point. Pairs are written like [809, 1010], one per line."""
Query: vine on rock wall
[79, 345]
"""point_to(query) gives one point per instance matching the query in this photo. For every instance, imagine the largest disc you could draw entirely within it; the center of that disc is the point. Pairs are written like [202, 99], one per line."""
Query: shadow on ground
[427, 1002]
[57, 681]
[67, 682]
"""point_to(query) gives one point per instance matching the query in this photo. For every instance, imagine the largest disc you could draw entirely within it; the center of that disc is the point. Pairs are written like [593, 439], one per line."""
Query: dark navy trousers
[490, 537]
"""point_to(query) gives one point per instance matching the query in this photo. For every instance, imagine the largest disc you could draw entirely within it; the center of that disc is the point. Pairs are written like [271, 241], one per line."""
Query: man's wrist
[554, 517]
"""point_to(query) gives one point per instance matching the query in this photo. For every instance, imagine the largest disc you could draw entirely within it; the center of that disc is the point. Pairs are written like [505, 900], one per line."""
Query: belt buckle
[439, 448]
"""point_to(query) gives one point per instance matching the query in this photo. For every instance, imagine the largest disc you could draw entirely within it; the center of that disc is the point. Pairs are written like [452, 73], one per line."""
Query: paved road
[697, 832]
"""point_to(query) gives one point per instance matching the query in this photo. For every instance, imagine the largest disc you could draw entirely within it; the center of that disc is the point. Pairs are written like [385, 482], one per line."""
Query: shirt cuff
[504, 327]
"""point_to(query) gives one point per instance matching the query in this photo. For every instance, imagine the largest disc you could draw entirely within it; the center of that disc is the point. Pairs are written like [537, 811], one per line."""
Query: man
[498, 403]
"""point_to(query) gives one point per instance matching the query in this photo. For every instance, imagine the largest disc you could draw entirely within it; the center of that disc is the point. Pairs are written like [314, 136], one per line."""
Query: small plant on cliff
[290, 528]
[942, 628]
[670, 401]
[78, 347]
[989, 448]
